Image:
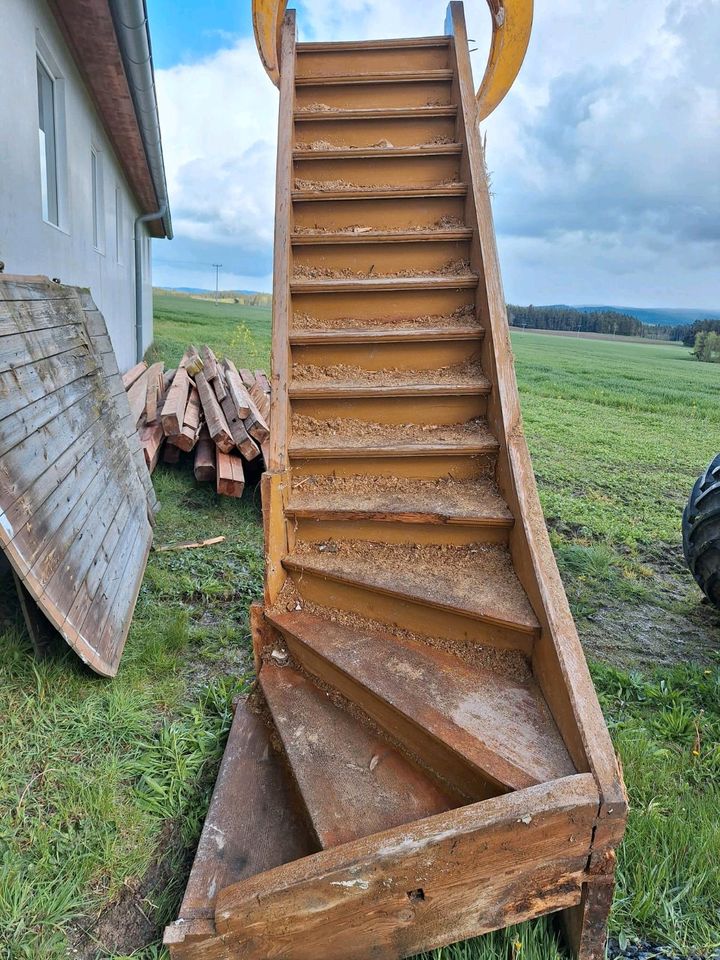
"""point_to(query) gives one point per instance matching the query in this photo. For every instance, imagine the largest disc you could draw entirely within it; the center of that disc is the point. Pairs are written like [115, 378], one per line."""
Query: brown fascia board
[87, 26]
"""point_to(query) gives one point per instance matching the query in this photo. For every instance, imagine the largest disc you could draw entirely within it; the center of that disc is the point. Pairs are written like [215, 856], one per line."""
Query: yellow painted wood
[267, 22]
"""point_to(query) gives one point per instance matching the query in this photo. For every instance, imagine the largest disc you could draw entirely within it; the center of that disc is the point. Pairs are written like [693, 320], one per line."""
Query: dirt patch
[464, 316]
[466, 374]
[131, 921]
[676, 626]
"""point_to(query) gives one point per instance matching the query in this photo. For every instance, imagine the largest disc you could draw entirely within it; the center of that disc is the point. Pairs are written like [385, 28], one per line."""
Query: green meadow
[104, 785]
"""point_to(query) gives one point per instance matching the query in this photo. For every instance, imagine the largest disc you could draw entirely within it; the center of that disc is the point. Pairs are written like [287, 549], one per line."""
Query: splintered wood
[207, 406]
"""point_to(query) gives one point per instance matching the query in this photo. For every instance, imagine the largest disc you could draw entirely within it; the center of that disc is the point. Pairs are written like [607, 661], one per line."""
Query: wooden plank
[137, 396]
[154, 391]
[448, 877]
[205, 460]
[237, 390]
[21, 348]
[229, 479]
[23, 288]
[40, 630]
[152, 437]
[243, 441]
[192, 410]
[219, 385]
[271, 831]
[131, 375]
[173, 411]
[28, 383]
[214, 417]
[247, 377]
[210, 368]
[33, 417]
[262, 381]
[351, 782]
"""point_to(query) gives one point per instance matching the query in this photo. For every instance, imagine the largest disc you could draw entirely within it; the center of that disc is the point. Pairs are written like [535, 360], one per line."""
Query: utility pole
[217, 280]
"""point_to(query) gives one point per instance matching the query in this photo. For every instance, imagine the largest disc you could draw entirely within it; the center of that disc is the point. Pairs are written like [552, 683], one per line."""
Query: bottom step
[352, 783]
[254, 822]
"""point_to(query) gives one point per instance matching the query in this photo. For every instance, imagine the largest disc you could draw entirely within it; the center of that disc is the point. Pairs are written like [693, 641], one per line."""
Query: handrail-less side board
[511, 29]
[75, 494]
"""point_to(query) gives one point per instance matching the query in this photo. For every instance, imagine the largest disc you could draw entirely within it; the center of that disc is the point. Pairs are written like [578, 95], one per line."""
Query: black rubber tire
[701, 532]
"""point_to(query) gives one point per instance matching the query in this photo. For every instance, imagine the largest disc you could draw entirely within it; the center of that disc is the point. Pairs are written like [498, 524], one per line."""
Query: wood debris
[206, 405]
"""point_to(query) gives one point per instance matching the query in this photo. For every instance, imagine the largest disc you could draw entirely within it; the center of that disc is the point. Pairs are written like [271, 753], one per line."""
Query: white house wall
[29, 245]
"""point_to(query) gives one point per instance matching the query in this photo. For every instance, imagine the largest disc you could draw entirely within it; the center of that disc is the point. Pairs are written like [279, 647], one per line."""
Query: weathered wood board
[76, 499]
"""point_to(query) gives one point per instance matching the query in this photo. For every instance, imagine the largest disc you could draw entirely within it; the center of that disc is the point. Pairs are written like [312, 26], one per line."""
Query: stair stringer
[558, 660]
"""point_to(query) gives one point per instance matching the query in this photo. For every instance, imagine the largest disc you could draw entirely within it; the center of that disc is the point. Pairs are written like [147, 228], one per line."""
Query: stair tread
[271, 830]
[377, 113]
[359, 437]
[394, 76]
[382, 193]
[308, 237]
[435, 282]
[443, 501]
[378, 334]
[352, 782]
[347, 389]
[477, 580]
[336, 46]
[500, 725]
[360, 153]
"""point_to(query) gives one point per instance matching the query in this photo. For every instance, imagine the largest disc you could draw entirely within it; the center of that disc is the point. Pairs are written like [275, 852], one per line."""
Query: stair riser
[387, 257]
[378, 96]
[400, 132]
[462, 467]
[380, 214]
[439, 758]
[428, 355]
[384, 530]
[408, 614]
[380, 171]
[394, 305]
[329, 63]
[423, 410]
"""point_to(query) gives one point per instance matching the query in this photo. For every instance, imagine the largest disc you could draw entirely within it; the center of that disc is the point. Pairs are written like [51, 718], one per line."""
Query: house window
[47, 129]
[96, 187]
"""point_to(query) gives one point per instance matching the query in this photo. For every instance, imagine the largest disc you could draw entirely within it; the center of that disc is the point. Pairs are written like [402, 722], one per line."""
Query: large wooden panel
[75, 494]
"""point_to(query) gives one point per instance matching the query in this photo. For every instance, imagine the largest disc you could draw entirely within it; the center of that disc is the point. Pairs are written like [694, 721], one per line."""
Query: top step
[327, 59]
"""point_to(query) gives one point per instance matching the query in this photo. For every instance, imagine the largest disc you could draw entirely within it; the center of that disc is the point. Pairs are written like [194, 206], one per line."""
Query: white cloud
[604, 156]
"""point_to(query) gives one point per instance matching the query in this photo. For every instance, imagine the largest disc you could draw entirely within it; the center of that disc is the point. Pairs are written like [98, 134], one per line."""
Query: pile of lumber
[207, 406]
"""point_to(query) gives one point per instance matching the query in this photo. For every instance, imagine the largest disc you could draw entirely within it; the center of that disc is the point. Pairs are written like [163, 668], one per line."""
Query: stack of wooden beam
[207, 406]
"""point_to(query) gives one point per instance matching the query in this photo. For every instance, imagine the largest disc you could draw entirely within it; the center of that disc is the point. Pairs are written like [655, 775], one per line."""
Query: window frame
[97, 199]
[45, 61]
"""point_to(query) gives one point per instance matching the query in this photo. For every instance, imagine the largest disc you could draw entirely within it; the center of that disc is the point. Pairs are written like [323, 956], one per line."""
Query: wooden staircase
[424, 758]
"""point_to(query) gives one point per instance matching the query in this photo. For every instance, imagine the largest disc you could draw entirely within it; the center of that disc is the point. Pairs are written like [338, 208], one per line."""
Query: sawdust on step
[446, 495]
[320, 186]
[512, 664]
[444, 223]
[320, 145]
[463, 374]
[340, 431]
[461, 317]
[454, 268]
[477, 576]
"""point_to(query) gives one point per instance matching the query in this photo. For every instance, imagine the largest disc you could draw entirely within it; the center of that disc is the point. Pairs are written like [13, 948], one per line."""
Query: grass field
[104, 785]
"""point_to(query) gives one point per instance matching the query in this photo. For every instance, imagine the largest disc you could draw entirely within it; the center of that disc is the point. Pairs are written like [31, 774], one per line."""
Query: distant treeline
[691, 330]
[600, 321]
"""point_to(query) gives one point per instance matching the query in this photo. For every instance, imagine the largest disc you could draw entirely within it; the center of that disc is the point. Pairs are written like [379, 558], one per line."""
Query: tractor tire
[701, 532]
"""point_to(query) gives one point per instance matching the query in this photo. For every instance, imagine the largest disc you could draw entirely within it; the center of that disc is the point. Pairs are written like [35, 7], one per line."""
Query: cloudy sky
[605, 157]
